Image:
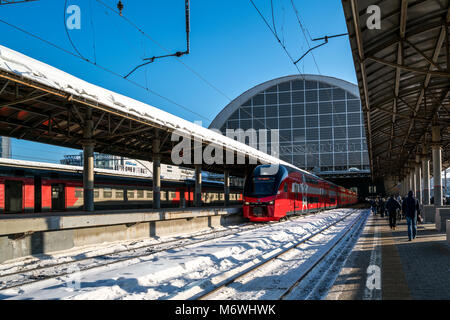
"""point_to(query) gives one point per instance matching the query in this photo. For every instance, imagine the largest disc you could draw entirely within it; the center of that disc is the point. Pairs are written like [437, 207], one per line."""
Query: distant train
[271, 196]
[27, 187]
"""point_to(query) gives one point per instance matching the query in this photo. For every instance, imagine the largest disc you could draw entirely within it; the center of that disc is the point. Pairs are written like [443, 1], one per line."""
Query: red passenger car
[271, 196]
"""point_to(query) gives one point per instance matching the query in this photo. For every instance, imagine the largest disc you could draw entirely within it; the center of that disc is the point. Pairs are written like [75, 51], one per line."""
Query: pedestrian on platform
[373, 207]
[410, 209]
[392, 206]
[382, 207]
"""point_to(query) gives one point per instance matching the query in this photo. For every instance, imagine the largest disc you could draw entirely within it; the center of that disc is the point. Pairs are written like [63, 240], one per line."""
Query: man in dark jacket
[392, 206]
[410, 207]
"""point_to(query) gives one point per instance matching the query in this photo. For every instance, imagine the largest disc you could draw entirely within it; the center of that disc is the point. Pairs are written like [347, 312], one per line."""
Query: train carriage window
[286, 187]
[130, 194]
[96, 194]
[163, 196]
[150, 195]
[140, 194]
[79, 193]
[172, 195]
[119, 194]
[107, 193]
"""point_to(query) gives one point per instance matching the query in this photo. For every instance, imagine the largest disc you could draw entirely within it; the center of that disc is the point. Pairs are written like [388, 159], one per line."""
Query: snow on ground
[166, 274]
[271, 281]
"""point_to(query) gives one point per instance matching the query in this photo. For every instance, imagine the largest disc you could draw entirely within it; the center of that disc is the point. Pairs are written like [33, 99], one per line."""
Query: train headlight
[271, 203]
[247, 203]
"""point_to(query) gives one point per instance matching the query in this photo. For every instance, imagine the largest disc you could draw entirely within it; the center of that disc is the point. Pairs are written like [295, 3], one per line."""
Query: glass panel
[286, 86]
[326, 133]
[311, 85]
[312, 108]
[298, 122]
[298, 109]
[338, 107]
[311, 96]
[312, 121]
[326, 120]
[298, 97]
[258, 100]
[272, 123]
[271, 99]
[299, 135]
[285, 111]
[272, 111]
[326, 95]
[259, 112]
[298, 85]
[285, 98]
[312, 134]
[338, 94]
[354, 106]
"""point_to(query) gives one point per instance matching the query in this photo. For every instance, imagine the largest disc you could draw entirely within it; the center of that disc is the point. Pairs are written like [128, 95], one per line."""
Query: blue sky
[231, 47]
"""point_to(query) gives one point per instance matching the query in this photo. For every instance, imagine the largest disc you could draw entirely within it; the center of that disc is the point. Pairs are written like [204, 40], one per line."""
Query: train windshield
[260, 185]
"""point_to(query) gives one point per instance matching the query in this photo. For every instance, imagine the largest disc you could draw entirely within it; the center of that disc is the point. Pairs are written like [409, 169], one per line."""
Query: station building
[320, 121]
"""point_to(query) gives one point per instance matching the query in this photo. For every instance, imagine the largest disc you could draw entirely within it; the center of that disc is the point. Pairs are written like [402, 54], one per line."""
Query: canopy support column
[88, 163]
[437, 166]
[156, 173]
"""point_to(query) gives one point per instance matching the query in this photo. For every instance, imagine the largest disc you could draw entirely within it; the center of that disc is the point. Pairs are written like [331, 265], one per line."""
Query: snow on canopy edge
[26, 67]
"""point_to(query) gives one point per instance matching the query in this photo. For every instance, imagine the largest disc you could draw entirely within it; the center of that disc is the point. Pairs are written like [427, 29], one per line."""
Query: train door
[58, 197]
[13, 196]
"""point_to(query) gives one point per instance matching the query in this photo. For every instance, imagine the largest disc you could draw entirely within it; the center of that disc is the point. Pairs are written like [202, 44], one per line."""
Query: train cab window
[286, 187]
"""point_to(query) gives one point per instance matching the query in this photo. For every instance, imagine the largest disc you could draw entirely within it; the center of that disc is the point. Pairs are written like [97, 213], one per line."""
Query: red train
[27, 187]
[270, 196]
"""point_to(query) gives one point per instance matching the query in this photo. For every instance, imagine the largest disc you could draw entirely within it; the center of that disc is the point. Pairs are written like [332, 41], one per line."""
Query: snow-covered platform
[24, 235]
[384, 265]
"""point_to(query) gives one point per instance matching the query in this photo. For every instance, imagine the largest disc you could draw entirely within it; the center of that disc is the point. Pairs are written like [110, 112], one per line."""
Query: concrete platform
[429, 213]
[384, 265]
[25, 235]
[442, 215]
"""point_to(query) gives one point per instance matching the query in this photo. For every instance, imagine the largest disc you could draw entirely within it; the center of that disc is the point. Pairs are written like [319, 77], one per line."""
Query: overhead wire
[68, 33]
[134, 25]
[105, 69]
[297, 14]
[276, 37]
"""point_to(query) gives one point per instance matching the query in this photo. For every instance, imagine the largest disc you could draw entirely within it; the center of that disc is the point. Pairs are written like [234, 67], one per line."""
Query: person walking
[382, 207]
[392, 206]
[410, 209]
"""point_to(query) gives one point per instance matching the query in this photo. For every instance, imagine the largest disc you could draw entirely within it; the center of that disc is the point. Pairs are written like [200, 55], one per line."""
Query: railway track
[197, 291]
[30, 275]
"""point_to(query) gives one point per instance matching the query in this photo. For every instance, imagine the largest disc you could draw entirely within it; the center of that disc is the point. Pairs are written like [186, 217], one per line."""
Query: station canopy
[44, 104]
[404, 78]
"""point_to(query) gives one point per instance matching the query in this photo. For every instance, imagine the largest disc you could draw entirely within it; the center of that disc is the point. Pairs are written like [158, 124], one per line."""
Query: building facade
[124, 165]
[319, 118]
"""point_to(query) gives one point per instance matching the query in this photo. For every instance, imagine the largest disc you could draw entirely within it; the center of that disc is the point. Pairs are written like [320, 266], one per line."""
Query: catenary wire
[104, 69]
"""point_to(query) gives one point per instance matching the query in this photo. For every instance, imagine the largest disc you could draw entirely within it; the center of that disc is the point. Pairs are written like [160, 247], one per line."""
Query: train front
[261, 191]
